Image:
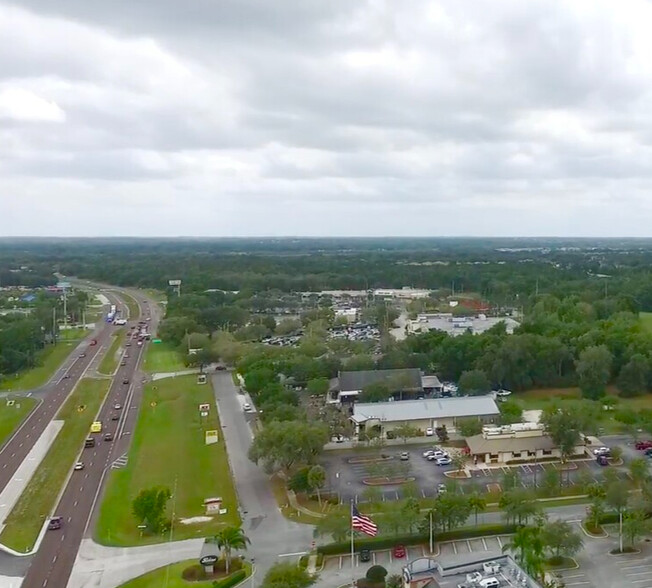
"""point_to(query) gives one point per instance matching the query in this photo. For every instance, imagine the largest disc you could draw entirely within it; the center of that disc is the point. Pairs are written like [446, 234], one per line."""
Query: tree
[561, 540]
[616, 453]
[478, 504]
[635, 525]
[563, 426]
[469, 427]
[638, 471]
[528, 544]
[633, 377]
[376, 574]
[317, 386]
[149, 508]
[394, 581]
[337, 525]
[474, 383]
[411, 512]
[458, 461]
[442, 434]
[551, 482]
[287, 575]
[393, 518]
[617, 497]
[593, 370]
[510, 412]
[316, 479]
[372, 494]
[375, 392]
[518, 505]
[405, 431]
[282, 445]
[228, 539]
[510, 480]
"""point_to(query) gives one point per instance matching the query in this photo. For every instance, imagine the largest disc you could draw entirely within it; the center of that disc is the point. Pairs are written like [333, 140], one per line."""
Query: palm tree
[230, 538]
[477, 504]
[529, 547]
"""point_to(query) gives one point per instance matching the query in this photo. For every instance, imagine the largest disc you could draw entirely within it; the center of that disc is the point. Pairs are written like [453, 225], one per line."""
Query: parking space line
[500, 543]
[454, 548]
[484, 543]
[468, 544]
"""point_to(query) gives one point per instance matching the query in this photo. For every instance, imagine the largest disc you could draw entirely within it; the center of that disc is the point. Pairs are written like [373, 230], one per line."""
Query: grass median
[49, 361]
[170, 577]
[162, 357]
[132, 305]
[168, 446]
[110, 360]
[12, 414]
[39, 498]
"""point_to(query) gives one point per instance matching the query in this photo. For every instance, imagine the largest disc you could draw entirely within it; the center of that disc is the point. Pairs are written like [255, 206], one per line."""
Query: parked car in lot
[602, 460]
[435, 455]
[602, 451]
[641, 445]
[365, 555]
[443, 461]
[441, 488]
[399, 551]
[405, 456]
[430, 432]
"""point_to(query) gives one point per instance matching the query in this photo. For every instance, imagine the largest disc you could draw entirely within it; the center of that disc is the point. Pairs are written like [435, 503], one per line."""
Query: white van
[489, 583]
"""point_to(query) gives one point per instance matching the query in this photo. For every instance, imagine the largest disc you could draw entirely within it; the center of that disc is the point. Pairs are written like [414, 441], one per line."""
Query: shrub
[232, 580]
[376, 574]
[365, 583]
[193, 573]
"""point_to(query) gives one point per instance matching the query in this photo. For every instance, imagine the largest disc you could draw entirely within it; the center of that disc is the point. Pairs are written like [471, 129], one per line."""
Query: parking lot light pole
[432, 540]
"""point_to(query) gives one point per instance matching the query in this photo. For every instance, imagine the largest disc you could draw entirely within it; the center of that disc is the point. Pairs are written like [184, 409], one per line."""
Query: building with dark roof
[351, 384]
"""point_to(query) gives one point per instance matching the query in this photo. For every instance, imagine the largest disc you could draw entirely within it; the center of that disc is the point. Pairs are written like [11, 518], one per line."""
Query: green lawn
[168, 446]
[132, 305]
[73, 334]
[170, 577]
[162, 357]
[39, 498]
[646, 320]
[12, 416]
[110, 360]
[49, 361]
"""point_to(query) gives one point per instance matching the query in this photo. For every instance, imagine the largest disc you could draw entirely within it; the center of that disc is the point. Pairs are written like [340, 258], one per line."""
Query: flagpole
[352, 548]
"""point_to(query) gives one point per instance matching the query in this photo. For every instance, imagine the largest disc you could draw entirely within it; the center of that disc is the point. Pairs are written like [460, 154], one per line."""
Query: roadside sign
[210, 437]
[204, 407]
[203, 413]
[156, 341]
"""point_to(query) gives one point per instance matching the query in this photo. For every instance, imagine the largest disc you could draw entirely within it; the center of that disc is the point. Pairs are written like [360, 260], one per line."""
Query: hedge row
[232, 580]
[418, 539]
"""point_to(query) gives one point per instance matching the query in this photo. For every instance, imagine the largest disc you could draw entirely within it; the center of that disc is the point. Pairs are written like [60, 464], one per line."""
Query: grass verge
[38, 499]
[162, 357]
[170, 576]
[168, 446]
[110, 360]
[76, 334]
[49, 361]
[12, 415]
[132, 305]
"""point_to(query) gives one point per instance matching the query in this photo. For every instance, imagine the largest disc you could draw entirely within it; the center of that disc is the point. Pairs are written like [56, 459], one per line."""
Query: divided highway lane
[54, 394]
[52, 564]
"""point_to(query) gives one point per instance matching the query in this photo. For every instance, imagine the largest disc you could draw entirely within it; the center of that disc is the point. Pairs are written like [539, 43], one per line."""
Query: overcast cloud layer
[326, 117]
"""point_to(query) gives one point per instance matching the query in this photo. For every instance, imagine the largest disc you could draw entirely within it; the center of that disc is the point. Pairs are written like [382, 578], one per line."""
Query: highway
[52, 564]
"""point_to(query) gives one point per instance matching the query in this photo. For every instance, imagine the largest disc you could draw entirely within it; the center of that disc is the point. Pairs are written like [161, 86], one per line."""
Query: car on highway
[55, 523]
[93, 342]
[125, 381]
[430, 432]
[123, 363]
[246, 407]
[126, 356]
[365, 555]
[127, 344]
[443, 461]
[115, 417]
[399, 551]
[108, 436]
[79, 466]
[82, 355]
[405, 456]
[117, 406]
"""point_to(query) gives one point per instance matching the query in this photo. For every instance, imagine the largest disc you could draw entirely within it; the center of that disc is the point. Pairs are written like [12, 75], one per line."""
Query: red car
[399, 551]
[642, 445]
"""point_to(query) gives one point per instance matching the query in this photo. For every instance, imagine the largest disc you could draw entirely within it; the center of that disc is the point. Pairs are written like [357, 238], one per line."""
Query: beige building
[423, 414]
[518, 442]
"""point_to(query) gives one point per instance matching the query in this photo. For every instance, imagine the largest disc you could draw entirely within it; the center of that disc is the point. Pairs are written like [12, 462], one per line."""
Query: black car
[115, 417]
[125, 381]
[365, 555]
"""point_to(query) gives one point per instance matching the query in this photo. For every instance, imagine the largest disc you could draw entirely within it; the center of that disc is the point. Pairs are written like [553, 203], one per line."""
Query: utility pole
[432, 539]
[54, 324]
[65, 309]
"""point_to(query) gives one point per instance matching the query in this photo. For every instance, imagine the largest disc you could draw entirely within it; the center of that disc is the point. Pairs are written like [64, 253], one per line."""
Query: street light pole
[432, 547]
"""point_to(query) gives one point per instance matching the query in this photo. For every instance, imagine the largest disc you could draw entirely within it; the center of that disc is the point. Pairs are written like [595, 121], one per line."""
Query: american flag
[360, 522]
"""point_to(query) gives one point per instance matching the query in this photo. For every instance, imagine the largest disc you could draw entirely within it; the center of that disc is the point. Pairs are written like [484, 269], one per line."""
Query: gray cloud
[250, 117]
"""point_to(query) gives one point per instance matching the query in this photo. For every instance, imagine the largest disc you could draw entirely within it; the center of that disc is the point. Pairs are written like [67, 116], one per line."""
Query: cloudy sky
[326, 117]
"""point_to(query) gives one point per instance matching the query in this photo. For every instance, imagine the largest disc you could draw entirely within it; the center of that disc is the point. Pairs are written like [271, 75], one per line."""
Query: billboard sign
[211, 437]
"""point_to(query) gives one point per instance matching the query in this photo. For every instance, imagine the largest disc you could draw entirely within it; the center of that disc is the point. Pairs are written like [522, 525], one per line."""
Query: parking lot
[345, 478]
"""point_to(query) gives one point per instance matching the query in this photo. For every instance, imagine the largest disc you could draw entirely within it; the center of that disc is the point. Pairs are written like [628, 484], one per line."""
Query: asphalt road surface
[52, 564]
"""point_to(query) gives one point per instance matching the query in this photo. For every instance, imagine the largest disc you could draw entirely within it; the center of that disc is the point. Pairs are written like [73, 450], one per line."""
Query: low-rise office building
[423, 414]
[349, 385]
[517, 442]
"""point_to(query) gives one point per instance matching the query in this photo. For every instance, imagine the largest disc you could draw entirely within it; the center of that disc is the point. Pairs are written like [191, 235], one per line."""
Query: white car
[430, 432]
[503, 392]
[79, 466]
[246, 407]
[601, 451]
[443, 461]
[441, 489]
[435, 455]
